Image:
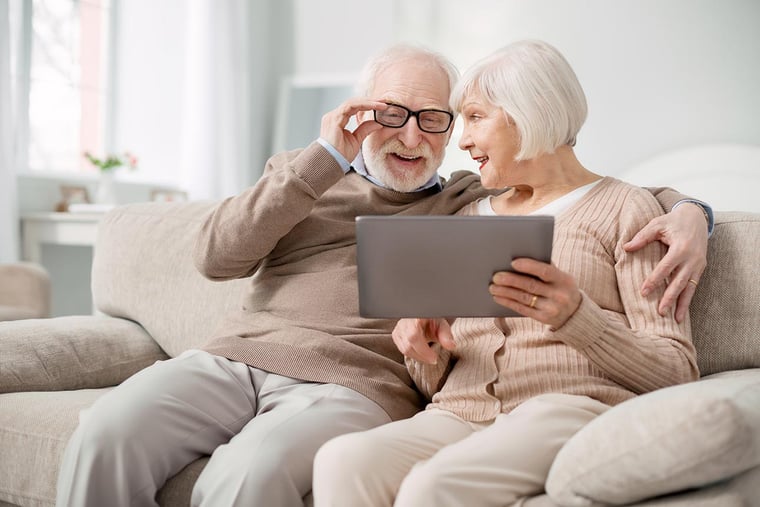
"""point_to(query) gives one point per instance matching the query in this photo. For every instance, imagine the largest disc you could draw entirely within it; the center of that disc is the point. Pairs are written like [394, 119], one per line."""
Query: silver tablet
[441, 266]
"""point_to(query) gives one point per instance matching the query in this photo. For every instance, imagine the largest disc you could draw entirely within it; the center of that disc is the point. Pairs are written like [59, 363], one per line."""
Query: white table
[38, 228]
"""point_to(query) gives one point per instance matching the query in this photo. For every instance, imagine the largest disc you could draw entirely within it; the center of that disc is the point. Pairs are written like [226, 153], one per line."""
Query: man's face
[406, 158]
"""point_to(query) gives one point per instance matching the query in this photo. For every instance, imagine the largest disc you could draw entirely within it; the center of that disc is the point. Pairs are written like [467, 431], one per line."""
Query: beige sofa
[699, 441]
[24, 291]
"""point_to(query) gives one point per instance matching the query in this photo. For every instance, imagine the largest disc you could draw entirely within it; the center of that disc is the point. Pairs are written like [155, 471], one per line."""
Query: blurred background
[202, 92]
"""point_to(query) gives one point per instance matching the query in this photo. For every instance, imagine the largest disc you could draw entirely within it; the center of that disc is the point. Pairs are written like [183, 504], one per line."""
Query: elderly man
[297, 365]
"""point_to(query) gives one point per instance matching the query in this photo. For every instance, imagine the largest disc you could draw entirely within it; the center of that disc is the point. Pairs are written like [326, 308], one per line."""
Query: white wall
[149, 84]
[659, 74]
[338, 36]
[197, 87]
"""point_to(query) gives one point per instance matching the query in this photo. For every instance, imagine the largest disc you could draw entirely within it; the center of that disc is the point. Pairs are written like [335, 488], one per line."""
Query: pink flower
[111, 162]
[131, 160]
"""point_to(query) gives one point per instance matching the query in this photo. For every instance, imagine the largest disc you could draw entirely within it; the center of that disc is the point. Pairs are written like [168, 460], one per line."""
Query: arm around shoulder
[671, 199]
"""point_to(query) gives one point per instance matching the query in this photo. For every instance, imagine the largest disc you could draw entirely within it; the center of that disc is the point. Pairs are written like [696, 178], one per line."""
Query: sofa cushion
[740, 491]
[34, 429]
[152, 243]
[72, 353]
[179, 489]
[17, 313]
[664, 441]
[724, 312]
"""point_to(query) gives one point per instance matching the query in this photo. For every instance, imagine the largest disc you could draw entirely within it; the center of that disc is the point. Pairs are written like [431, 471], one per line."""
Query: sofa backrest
[143, 271]
[725, 312]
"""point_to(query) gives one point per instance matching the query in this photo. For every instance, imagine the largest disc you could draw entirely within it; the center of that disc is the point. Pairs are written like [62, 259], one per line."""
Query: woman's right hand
[414, 337]
[538, 290]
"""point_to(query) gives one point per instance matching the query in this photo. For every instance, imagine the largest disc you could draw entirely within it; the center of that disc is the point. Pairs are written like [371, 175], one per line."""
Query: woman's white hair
[538, 90]
[392, 55]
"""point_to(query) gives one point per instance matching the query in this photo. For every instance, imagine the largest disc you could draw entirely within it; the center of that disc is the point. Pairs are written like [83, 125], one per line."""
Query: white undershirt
[554, 208]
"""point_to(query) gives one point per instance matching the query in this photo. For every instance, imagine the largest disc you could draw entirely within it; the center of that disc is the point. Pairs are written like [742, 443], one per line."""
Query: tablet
[441, 266]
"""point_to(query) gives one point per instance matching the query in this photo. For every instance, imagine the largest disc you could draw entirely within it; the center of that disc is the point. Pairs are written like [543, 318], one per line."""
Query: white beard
[378, 165]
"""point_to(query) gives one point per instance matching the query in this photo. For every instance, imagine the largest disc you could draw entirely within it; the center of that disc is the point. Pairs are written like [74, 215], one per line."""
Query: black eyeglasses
[433, 121]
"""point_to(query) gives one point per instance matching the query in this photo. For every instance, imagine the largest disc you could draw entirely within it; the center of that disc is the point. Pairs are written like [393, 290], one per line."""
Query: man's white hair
[400, 52]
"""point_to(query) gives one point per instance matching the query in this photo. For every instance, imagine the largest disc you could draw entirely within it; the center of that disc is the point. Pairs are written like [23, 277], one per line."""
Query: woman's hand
[538, 290]
[414, 337]
[684, 231]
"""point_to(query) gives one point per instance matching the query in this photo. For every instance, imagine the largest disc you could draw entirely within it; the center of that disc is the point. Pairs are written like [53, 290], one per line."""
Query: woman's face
[492, 140]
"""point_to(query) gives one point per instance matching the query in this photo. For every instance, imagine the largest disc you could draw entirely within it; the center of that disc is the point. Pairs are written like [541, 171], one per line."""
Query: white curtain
[9, 234]
[233, 64]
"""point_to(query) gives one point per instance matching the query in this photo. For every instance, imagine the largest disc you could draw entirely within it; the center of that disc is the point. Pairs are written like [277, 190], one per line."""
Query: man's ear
[450, 132]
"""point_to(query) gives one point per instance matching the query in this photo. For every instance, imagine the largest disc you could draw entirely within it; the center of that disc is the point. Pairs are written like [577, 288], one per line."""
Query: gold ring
[533, 301]
[691, 280]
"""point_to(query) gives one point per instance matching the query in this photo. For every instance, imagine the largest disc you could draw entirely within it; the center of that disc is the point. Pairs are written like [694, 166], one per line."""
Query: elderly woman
[506, 393]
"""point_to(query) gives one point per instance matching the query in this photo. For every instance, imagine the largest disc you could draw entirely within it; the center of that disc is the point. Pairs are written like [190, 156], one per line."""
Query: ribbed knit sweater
[612, 348]
[294, 234]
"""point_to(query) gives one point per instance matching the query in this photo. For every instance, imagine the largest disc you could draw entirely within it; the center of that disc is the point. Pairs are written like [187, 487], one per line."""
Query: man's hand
[414, 337]
[333, 129]
[684, 231]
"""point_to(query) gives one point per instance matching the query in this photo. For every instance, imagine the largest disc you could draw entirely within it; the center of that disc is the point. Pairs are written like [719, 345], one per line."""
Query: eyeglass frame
[416, 114]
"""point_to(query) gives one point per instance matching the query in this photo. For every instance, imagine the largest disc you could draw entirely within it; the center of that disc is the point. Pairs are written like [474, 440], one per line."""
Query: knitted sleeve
[243, 229]
[640, 350]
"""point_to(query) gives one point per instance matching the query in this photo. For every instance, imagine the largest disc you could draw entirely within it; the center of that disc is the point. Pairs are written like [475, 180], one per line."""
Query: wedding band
[691, 280]
[533, 301]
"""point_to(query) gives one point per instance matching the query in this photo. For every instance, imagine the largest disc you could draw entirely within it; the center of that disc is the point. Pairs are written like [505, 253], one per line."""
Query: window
[60, 66]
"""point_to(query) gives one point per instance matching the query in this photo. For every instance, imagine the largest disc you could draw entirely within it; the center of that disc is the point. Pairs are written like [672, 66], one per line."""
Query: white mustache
[397, 147]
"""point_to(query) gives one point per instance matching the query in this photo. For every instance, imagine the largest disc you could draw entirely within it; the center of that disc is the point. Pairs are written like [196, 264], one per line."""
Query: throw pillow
[661, 442]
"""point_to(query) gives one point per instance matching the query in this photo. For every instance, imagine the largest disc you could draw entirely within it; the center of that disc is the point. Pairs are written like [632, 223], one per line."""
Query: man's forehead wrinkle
[416, 94]
[414, 83]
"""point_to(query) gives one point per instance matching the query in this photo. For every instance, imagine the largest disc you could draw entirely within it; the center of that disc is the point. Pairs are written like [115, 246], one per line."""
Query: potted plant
[106, 167]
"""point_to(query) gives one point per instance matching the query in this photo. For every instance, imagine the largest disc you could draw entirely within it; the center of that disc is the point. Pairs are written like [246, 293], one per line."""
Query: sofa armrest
[24, 291]
[79, 352]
